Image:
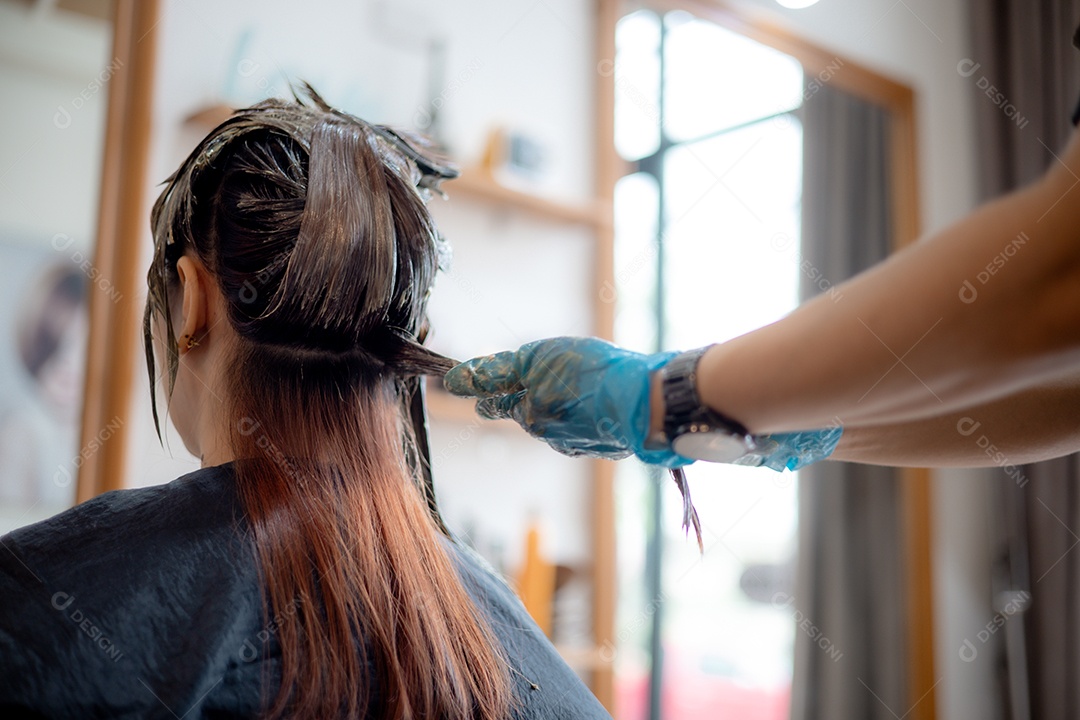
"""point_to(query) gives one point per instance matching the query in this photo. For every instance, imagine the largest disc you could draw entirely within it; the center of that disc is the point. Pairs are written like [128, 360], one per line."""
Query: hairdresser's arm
[900, 344]
[1035, 424]
[904, 341]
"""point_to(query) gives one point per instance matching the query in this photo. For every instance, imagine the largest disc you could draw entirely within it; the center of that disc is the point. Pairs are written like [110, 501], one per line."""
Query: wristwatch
[693, 429]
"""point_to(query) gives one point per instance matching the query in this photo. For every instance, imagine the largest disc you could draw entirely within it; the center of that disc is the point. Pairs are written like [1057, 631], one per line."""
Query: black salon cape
[145, 604]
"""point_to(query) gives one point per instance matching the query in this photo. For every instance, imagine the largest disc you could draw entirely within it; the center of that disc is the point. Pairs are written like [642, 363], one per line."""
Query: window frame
[898, 100]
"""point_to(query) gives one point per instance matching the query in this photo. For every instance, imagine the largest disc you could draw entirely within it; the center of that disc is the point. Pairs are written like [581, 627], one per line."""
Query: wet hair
[315, 227]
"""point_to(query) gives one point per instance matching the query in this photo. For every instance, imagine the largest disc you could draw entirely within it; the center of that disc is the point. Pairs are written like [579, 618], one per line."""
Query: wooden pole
[607, 165]
[122, 223]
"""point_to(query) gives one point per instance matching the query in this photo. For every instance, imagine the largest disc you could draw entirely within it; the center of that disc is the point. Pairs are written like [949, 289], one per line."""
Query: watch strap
[683, 409]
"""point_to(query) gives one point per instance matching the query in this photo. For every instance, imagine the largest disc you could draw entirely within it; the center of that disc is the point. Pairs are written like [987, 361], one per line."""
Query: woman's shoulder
[136, 596]
[545, 684]
[120, 524]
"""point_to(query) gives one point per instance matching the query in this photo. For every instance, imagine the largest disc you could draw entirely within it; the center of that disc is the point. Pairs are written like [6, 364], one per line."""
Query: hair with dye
[315, 227]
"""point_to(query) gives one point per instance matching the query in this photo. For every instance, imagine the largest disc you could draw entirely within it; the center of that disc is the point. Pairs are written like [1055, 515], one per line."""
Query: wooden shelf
[210, 116]
[444, 407]
[478, 184]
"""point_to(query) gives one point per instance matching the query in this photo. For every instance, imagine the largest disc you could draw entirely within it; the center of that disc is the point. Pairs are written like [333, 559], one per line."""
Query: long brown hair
[315, 226]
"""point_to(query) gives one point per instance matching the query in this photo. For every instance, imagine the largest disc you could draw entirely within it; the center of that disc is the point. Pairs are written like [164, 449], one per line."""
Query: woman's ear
[193, 310]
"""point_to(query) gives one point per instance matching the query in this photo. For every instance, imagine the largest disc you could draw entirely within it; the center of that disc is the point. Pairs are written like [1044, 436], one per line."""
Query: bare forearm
[903, 342]
[1036, 424]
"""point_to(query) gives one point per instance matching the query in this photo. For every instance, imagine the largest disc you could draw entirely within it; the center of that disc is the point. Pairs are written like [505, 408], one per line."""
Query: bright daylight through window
[707, 234]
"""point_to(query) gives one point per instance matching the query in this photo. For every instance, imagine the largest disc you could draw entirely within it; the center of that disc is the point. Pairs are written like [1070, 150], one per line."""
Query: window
[707, 248]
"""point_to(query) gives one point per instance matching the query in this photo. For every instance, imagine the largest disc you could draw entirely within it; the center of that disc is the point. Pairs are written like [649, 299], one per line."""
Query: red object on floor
[692, 694]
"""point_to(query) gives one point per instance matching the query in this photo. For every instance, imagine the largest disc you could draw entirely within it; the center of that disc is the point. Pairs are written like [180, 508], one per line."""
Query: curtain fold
[1025, 77]
[850, 647]
[1026, 80]
[1052, 622]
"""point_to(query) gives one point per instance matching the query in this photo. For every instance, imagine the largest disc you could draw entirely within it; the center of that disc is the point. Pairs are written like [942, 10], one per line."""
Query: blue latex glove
[587, 397]
[791, 451]
[582, 396]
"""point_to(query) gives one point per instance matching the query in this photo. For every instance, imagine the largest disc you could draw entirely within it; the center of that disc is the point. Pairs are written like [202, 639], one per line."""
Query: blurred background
[667, 174]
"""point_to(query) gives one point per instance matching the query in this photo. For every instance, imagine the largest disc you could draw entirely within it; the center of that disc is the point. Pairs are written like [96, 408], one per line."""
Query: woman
[299, 573]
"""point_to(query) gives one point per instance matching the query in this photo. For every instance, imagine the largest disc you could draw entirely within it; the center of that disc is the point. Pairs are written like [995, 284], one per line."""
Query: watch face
[715, 446]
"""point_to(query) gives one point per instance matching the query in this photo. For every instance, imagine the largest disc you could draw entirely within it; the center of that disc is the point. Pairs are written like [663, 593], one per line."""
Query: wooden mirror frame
[114, 328]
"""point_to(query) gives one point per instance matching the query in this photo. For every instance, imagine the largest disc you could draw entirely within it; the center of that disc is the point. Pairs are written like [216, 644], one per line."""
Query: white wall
[919, 43]
[54, 68]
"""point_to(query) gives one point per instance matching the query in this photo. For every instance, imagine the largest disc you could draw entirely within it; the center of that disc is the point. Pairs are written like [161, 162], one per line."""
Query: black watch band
[701, 432]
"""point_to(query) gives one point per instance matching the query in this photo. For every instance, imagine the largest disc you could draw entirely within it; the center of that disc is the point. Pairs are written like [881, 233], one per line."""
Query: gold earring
[191, 341]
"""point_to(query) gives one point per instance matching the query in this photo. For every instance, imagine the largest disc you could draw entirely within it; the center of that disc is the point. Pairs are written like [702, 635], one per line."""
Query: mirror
[55, 68]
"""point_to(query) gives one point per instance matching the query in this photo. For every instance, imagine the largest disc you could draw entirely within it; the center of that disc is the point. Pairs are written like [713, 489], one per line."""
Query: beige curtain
[850, 652]
[1025, 76]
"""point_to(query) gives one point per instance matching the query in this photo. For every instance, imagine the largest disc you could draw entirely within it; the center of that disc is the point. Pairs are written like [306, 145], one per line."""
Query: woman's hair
[315, 227]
